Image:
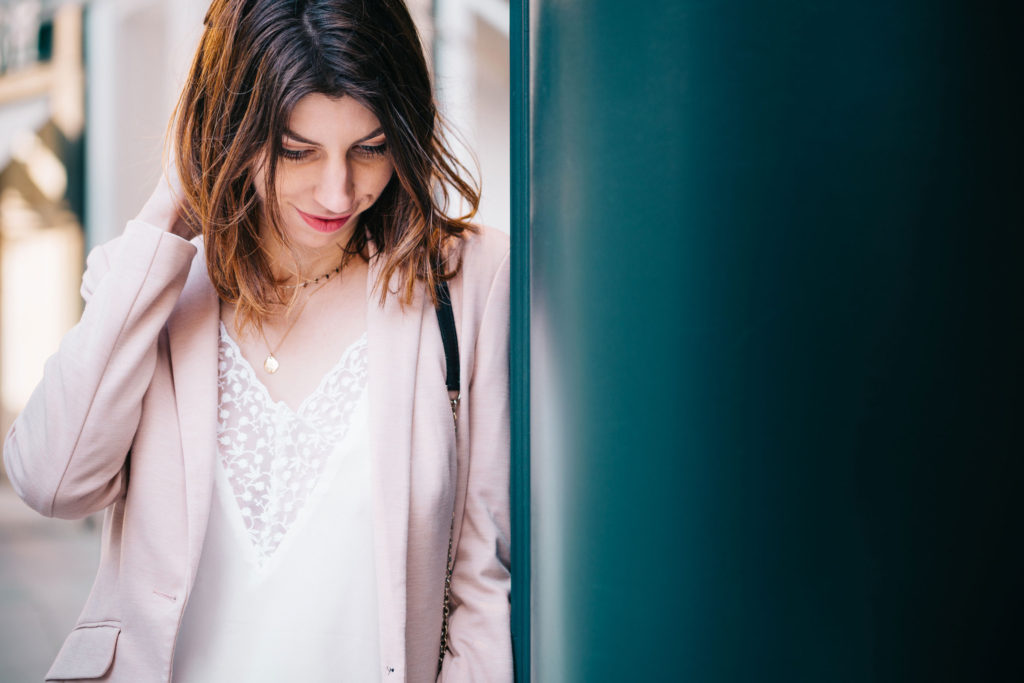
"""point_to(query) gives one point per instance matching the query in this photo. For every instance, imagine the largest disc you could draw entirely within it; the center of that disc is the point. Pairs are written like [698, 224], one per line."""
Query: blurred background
[86, 93]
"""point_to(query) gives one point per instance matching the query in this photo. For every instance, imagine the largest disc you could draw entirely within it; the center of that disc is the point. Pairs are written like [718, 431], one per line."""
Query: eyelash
[373, 150]
[370, 151]
[294, 154]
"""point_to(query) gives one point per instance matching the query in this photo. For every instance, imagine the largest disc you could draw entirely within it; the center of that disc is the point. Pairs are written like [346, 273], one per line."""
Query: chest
[301, 343]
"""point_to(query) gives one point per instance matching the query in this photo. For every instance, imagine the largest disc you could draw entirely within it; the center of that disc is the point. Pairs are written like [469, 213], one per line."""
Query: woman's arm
[65, 453]
[480, 647]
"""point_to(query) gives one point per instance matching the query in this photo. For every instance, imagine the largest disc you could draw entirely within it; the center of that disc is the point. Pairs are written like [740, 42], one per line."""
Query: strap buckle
[453, 398]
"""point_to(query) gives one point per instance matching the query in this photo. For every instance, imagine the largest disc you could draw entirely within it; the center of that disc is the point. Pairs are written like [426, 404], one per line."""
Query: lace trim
[273, 456]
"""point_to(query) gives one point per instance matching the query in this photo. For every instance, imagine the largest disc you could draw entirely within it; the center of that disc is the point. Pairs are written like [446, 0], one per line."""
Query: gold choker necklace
[307, 283]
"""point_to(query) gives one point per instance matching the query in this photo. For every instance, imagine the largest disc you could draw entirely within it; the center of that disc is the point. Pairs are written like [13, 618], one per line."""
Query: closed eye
[372, 150]
[295, 154]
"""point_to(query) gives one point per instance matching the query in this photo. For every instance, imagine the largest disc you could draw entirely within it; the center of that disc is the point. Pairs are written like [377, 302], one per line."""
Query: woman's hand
[162, 209]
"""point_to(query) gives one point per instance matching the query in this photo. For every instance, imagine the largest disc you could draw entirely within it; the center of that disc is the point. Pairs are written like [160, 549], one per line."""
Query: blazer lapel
[393, 349]
[193, 333]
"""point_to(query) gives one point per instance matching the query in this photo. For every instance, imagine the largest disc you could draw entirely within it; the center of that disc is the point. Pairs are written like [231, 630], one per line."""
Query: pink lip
[323, 224]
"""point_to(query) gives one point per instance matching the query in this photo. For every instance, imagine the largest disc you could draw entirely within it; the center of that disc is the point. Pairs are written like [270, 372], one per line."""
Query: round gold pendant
[270, 364]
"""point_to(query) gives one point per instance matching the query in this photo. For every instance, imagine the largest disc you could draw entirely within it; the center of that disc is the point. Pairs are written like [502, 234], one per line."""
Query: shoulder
[481, 289]
[484, 255]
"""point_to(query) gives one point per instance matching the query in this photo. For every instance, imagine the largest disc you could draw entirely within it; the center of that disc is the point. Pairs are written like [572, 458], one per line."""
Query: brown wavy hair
[256, 59]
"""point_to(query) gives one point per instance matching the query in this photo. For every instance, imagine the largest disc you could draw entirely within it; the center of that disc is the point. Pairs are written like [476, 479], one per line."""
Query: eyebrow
[298, 138]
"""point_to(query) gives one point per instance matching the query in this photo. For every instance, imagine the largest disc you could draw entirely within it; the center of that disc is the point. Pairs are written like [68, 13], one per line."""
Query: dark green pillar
[776, 339]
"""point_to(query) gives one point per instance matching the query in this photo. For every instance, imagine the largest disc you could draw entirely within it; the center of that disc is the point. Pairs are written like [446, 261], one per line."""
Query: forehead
[328, 121]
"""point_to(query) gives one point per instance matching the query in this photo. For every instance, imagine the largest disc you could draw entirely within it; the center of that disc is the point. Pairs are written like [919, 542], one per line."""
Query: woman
[262, 409]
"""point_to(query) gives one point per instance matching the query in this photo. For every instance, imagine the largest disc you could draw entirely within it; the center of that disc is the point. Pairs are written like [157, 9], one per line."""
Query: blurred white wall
[472, 82]
[41, 94]
[138, 52]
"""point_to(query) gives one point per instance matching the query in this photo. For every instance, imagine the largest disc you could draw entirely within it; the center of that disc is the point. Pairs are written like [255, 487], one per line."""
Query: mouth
[326, 225]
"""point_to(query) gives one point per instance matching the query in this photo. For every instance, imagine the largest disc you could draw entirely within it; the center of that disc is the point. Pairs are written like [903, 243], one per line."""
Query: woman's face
[333, 166]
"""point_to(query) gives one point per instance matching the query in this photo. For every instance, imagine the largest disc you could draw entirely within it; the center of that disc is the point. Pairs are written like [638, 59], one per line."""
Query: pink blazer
[125, 419]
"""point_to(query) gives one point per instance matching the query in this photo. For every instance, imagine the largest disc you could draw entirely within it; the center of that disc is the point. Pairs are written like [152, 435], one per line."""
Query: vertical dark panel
[776, 341]
[519, 361]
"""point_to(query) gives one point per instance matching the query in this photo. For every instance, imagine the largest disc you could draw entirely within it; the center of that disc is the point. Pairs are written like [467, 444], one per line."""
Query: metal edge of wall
[519, 347]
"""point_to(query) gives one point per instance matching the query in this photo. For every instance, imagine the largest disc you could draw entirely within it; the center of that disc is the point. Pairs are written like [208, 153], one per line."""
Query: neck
[297, 264]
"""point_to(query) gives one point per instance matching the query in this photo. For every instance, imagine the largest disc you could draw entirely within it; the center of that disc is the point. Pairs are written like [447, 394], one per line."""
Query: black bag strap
[446, 321]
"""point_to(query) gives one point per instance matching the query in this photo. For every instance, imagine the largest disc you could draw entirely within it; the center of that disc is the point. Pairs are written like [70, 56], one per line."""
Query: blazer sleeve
[480, 644]
[65, 453]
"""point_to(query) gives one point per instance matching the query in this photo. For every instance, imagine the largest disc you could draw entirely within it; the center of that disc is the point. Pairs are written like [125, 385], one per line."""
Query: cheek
[380, 180]
[288, 182]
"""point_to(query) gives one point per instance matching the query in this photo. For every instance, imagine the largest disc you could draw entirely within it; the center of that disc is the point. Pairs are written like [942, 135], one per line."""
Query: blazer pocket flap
[87, 653]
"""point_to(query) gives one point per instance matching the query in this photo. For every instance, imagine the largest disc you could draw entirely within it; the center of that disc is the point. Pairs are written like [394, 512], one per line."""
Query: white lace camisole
[285, 589]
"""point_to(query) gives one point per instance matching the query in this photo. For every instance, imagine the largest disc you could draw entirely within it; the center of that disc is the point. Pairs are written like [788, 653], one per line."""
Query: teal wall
[776, 339]
[519, 343]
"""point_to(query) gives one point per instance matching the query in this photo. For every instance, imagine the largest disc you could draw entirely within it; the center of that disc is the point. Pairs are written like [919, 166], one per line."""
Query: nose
[334, 188]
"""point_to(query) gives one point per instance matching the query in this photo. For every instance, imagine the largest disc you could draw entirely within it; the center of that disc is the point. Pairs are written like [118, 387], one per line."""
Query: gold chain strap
[447, 600]
[448, 572]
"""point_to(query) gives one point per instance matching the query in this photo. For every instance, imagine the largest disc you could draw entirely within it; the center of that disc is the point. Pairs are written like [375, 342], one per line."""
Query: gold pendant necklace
[271, 364]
